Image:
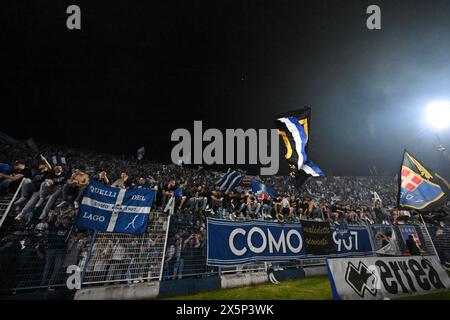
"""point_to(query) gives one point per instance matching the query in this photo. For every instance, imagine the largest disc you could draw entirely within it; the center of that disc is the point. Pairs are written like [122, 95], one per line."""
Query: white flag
[170, 205]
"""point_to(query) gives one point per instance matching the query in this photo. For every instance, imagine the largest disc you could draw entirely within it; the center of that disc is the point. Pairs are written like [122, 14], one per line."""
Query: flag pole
[399, 182]
[88, 256]
[428, 234]
[163, 261]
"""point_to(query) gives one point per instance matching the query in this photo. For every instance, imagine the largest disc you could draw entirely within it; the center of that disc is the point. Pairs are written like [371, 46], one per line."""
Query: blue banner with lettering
[351, 240]
[234, 243]
[110, 209]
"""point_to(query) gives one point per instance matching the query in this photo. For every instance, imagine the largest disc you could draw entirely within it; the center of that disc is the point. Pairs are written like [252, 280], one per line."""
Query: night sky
[137, 70]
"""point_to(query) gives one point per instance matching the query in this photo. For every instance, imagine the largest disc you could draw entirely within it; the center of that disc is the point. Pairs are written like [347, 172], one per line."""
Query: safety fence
[6, 202]
[36, 256]
[440, 236]
[124, 258]
[186, 252]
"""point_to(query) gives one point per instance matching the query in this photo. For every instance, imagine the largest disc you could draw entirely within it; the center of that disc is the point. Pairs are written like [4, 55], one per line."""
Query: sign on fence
[374, 278]
[110, 209]
[234, 243]
[351, 240]
[407, 230]
[318, 237]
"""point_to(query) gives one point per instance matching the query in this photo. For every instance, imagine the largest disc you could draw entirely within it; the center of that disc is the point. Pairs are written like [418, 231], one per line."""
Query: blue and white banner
[234, 243]
[110, 209]
[229, 180]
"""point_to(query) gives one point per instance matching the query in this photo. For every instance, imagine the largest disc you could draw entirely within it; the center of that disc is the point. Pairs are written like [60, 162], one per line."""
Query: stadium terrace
[41, 222]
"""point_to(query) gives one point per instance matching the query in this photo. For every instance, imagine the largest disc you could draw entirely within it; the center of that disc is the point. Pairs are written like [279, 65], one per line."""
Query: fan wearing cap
[76, 185]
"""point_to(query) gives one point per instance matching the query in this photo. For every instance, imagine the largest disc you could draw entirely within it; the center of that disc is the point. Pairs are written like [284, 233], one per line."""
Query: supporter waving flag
[293, 127]
[229, 180]
[420, 188]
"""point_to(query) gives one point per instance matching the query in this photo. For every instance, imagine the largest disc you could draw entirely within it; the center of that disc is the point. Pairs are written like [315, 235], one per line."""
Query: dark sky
[140, 69]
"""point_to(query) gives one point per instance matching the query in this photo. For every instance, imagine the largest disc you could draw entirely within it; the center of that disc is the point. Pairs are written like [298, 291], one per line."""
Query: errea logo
[362, 278]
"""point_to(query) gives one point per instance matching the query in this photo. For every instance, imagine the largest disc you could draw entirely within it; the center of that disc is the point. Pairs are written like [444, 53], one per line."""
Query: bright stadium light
[438, 114]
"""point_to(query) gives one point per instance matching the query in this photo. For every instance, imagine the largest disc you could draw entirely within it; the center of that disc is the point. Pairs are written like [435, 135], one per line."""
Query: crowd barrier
[124, 258]
[440, 237]
[173, 248]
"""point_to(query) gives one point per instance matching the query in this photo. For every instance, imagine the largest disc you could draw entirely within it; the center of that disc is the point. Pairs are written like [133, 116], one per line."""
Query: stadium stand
[39, 241]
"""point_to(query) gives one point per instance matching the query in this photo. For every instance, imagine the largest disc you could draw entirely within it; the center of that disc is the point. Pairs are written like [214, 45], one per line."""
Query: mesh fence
[419, 236]
[36, 253]
[441, 239]
[186, 254]
[426, 240]
[186, 247]
[125, 258]
[38, 257]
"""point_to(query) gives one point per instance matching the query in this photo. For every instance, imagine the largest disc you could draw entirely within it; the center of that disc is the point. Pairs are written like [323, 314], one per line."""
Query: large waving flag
[110, 209]
[293, 127]
[229, 180]
[420, 188]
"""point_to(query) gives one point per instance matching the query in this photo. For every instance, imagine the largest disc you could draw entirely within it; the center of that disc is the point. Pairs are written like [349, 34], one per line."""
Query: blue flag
[229, 180]
[5, 168]
[110, 209]
[261, 188]
[420, 188]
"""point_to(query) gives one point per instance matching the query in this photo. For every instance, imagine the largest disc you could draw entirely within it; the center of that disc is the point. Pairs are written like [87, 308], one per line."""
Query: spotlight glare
[438, 114]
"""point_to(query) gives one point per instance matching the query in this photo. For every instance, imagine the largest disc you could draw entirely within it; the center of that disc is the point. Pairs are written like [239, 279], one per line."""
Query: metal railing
[43, 260]
[124, 258]
[186, 248]
[8, 205]
[440, 236]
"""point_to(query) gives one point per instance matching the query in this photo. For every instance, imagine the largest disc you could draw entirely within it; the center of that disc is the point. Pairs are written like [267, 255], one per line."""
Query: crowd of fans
[53, 182]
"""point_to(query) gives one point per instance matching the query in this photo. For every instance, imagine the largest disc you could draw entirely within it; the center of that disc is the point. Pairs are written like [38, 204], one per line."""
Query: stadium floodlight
[438, 114]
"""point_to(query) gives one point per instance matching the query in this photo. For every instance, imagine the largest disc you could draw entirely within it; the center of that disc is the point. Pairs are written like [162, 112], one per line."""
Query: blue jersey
[5, 168]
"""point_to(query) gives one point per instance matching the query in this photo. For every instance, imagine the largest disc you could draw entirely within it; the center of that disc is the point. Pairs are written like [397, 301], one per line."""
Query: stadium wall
[157, 289]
